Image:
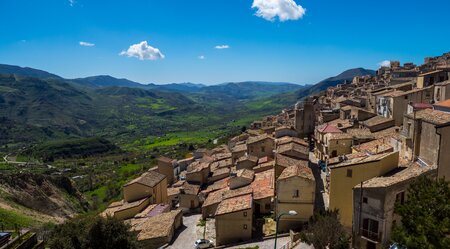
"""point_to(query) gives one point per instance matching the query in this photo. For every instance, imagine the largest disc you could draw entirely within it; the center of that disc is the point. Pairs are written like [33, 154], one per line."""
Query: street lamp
[290, 213]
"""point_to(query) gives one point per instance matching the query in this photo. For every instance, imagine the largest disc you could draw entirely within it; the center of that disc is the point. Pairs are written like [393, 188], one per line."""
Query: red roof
[329, 129]
[445, 103]
[422, 106]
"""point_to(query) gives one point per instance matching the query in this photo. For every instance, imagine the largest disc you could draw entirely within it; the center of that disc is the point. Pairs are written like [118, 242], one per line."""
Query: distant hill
[347, 75]
[239, 90]
[26, 71]
[177, 87]
[251, 89]
[285, 99]
[106, 81]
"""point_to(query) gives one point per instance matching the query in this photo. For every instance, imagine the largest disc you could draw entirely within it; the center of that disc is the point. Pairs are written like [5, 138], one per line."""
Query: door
[371, 245]
[192, 204]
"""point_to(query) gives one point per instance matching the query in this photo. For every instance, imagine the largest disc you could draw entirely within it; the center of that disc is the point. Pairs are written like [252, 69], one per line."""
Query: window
[245, 214]
[365, 200]
[370, 229]
[400, 197]
[295, 194]
[263, 149]
[349, 173]
[334, 153]
[245, 226]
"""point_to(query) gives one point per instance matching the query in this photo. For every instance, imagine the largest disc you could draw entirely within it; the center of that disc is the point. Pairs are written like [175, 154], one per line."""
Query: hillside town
[354, 148]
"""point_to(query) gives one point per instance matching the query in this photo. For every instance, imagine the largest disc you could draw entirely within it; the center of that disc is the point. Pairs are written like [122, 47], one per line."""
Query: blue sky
[329, 37]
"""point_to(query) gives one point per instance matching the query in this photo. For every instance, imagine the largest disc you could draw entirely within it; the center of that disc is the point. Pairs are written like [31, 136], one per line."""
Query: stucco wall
[131, 212]
[230, 227]
[429, 143]
[341, 186]
[444, 156]
[136, 191]
[256, 149]
[303, 204]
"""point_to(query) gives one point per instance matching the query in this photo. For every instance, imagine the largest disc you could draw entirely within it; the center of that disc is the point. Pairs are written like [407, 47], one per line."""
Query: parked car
[202, 243]
[397, 246]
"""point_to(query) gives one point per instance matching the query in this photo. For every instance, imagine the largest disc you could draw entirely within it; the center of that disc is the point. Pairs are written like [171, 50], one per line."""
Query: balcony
[374, 236]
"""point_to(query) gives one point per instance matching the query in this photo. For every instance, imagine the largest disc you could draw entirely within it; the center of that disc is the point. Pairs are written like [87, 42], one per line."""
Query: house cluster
[376, 134]
[356, 148]
[264, 169]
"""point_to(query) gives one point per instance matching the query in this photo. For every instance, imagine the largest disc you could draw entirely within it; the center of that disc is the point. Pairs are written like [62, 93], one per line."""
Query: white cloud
[222, 47]
[385, 63]
[86, 44]
[72, 2]
[202, 57]
[283, 9]
[143, 51]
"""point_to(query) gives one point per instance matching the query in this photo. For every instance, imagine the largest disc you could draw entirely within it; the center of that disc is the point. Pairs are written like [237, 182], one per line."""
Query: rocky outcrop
[51, 195]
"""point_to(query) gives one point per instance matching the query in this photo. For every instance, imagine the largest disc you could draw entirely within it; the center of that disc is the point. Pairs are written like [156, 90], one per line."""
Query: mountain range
[36, 105]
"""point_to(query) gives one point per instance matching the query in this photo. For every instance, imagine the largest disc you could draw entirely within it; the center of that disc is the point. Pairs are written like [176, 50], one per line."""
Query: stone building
[442, 91]
[260, 146]
[151, 185]
[331, 142]
[373, 206]
[295, 191]
[305, 118]
[431, 78]
[167, 167]
[344, 176]
[425, 137]
[198, 172]
[234, 220]
[394, 104]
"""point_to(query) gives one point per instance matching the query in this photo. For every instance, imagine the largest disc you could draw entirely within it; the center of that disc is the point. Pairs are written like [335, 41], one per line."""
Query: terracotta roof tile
[235, 204]
[432, 116]
[149, 178]
[328, 129]
[297, 170]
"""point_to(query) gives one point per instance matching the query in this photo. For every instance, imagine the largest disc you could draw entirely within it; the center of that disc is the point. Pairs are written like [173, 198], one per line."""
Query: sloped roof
[263, 185]
[361, 160]
[445, 103]
[413, 171]
[214, 197]
[297, 170]
[235, 204]
[190, 189]
[327, 128]
[432, 116]
[149, 178]
[157, 226]
[285, 161]
[197, 166]
[245, 173]
[256, 139]
[293, 147]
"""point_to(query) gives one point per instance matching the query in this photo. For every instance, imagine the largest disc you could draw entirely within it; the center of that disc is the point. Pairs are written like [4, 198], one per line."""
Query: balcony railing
[370, 235]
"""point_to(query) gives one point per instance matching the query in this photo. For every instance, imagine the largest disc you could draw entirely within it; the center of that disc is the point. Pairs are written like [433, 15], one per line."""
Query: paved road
[266, 244]
[188, 235]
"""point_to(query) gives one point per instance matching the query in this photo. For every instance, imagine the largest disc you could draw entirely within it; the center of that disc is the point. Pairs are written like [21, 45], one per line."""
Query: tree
[109, 233]
[324, 230]
[425, 215]
[92, 233]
